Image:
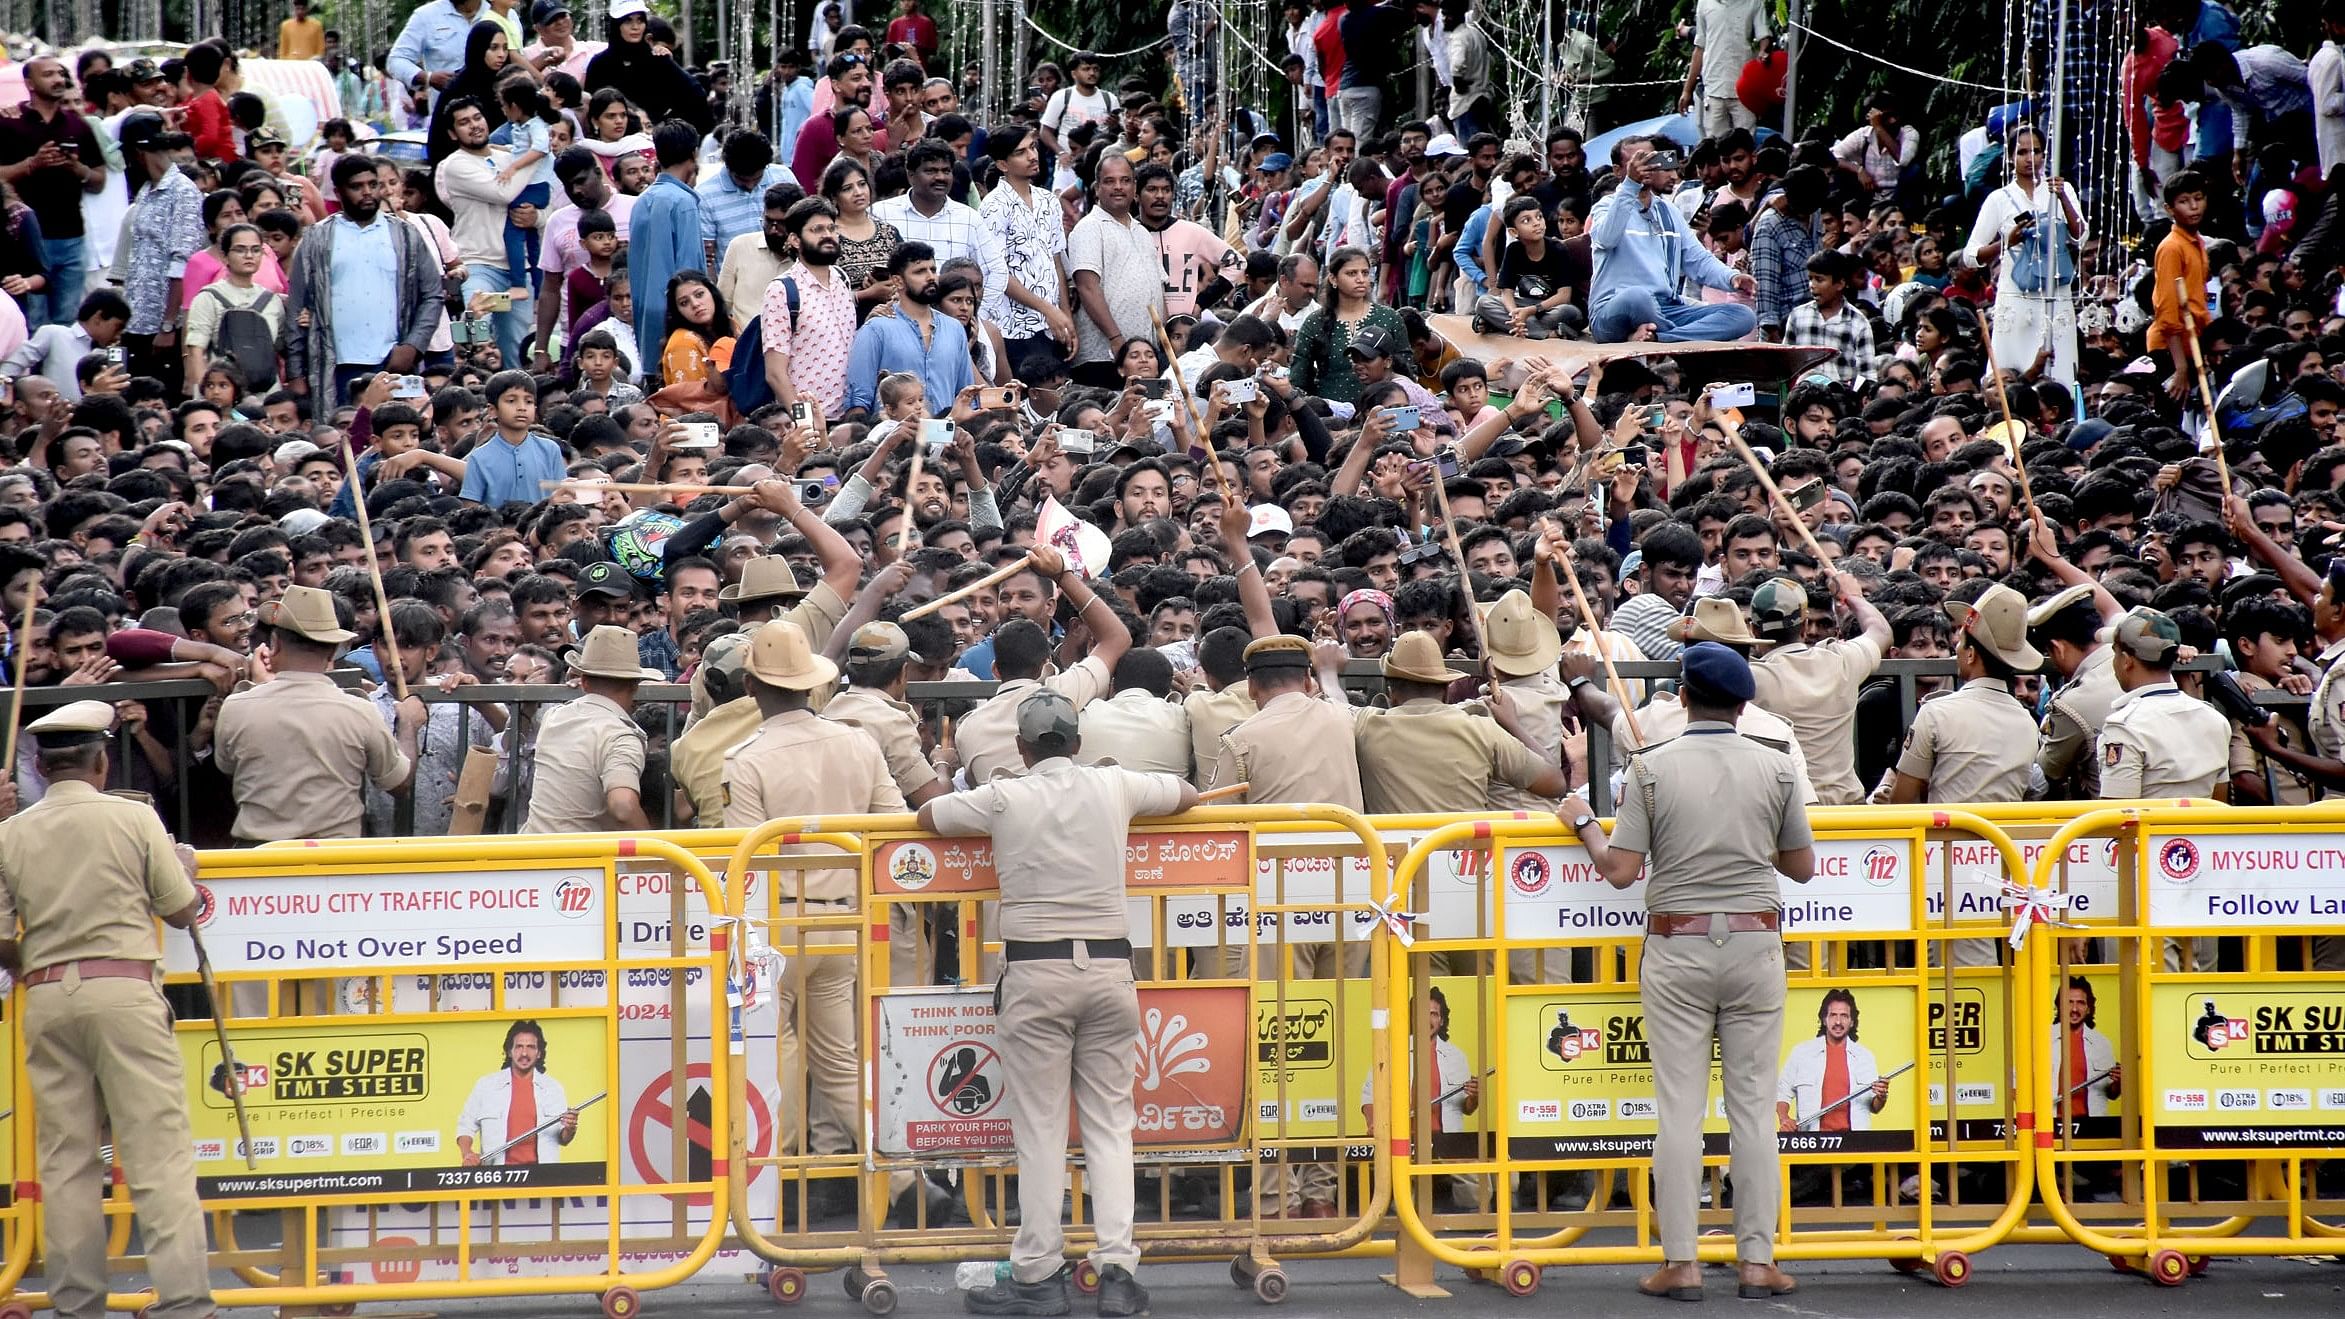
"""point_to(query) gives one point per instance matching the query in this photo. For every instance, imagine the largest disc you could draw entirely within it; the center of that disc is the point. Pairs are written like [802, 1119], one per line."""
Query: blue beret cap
[1718, 669]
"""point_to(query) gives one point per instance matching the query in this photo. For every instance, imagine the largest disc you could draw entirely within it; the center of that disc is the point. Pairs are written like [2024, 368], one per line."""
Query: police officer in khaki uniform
[85, 875]
[1717, 816]
[590, 751]
[1814, 686]
[1522, 648]
[723, 716]
[296, 748]
[1223, 703]
[2067, 629]
[798, 764]
[2160, 741]
[987, 737]
[1715, 618]
[1296, 749]
[1975, 743]
[1066, 1012]
[1422, 756]
[878, 657]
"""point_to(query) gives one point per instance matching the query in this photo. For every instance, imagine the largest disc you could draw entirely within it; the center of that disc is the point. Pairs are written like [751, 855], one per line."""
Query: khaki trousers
[1694, 988]
[101, 1050]
[1066, 1026]
[818, 1046]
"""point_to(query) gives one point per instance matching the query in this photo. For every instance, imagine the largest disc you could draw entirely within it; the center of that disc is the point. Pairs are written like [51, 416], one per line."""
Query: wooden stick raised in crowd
[2011, 430]
[386, 645]
[1172, 363]
[2206, 395]
[911, 478]
[24, 650]
[1628, 706]
[646, 487]
[1774, 491]
[1218, 793]
[997, 576]
[1457, 553]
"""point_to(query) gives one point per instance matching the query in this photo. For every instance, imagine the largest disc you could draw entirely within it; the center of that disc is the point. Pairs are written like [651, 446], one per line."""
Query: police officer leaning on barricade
[1065, 1006]
[297, 749]
[1719, 817]
[86, 874]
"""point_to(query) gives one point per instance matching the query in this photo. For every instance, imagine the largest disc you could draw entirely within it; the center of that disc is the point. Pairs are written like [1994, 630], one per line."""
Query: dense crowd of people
[631, 365]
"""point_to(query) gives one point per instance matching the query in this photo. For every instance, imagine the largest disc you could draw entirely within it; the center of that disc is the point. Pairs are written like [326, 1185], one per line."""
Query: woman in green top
[1322, 364]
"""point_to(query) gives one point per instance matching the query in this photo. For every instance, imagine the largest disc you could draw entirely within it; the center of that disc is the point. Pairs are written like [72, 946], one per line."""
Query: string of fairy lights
[2062, 57]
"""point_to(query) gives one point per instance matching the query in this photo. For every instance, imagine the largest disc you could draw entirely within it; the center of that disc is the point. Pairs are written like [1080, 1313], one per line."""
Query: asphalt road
[2017, 1282]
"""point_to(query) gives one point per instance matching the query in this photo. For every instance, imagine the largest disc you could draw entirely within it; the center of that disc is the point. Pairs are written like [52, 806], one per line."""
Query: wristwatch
[1575, 682]
[1582, 822]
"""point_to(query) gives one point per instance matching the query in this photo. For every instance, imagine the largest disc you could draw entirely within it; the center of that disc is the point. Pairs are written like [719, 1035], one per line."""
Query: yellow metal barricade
[434, 961]
[1539, 1092]
[1213, 1096]
[2228, 992]
[20, 1185]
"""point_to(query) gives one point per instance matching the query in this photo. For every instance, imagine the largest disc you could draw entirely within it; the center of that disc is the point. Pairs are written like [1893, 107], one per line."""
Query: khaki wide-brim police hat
[766, 577]
[1715, 618]
[1416, 657]
[781, 656]
[309, 611]
[611, 652]
[1519, 641]
[1997, 624]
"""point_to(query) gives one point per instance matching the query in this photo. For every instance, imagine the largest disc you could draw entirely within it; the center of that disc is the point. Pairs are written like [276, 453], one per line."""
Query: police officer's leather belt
[1063, 950]
[1666, 925]
[93, 968]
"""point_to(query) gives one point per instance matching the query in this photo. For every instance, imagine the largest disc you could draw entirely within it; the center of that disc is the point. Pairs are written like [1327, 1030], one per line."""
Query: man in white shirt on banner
[2085, 1074]
[508, 1103]
[1823, 1073]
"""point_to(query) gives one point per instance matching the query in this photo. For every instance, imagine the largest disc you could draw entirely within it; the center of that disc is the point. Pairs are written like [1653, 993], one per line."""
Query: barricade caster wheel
[621, 1303]
[1087, 1277]
[1520, 1277]
[1481, 1276]
[879, 1297]
[1951, 1269]
[1241, 1273]
[16, 1310]
[2125, 1264]
[1906, 1264]
[1270, 1285]
[341, 1311]
[2169, 1268]
[2198, 1265]
[786, 1285]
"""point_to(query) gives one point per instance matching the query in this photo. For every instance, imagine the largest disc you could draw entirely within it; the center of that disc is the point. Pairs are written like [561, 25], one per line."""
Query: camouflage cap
[2148, 636]
[1047, 722]
[878, 643]
[1777, 605]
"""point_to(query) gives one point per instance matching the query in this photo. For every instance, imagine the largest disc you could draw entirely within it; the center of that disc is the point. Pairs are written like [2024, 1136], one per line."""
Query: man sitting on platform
[1644, 253]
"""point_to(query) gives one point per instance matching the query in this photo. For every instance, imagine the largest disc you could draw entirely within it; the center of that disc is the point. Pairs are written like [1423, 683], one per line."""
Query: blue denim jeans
[63, 256]
[509, 326]
[1616, 315]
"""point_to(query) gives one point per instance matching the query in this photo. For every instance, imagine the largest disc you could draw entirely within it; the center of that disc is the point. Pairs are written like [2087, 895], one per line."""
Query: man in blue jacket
[1643, 255]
